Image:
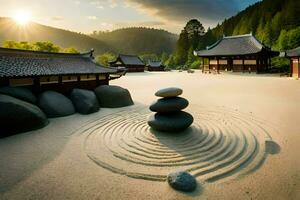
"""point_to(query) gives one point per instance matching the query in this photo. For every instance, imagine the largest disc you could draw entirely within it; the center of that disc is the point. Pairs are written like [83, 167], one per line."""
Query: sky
[88, 15]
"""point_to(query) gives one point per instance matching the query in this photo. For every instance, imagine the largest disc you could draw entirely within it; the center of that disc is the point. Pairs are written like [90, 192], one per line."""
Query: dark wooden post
[208, 65]
[218, 65]
[97, 80]
[203, 65]
[243, 64]
[60, 82]
[107, 79]
[36, 84]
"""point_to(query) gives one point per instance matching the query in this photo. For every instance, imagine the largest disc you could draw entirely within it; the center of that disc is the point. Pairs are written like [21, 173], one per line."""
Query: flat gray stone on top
[170, 122]
[84, 101]
[20, 93]
[18, 116]
[55, 104]
[169, 92]
[169, 104]
[182, 181]
[110, 96]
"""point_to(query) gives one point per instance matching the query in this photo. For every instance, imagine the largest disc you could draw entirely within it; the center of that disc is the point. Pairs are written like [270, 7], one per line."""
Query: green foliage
[288, 39]
[37, 46]
[170, 63]
[70, 50]
[164, 58]
[196, 64]
[46, 47]
[149, 57]
[105, 58]
[18, 45]
[138, 41]
[281, 64]
[188, 41]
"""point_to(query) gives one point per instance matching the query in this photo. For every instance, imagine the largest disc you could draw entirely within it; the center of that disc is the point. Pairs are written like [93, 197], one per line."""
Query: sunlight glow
[22, 17]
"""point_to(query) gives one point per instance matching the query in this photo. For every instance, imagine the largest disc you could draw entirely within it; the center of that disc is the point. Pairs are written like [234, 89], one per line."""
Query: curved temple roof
[129, 60]
[234, 45]
[293, 52]
[22, 63]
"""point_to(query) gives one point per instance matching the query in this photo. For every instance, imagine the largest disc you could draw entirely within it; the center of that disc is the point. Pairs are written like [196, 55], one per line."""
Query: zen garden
[162, 101]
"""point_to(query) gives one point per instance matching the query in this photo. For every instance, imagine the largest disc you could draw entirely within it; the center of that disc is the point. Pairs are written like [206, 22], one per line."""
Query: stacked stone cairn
[169, 116]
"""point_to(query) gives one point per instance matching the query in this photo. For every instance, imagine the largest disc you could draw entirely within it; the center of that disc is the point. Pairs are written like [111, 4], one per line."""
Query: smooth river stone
[169, 104]
[19, 116]
[169, 92]
[55, 104]
[182, 181]
[111, 96]
[170, 122]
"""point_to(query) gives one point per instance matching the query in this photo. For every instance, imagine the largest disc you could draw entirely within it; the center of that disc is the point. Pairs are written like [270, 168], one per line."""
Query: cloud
[207, 11]
[92, 17]
[57, 18]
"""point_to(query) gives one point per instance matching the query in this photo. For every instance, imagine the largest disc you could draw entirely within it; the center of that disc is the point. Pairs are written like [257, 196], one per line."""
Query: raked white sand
[244, 144]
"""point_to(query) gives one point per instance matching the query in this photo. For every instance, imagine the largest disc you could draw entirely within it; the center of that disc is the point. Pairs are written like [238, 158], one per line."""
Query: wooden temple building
[41, 71]
[155, 66]
[131, 63]
[294, 56]
[241, 53]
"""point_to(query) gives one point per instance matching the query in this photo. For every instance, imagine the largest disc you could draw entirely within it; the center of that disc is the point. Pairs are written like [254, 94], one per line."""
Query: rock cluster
[22, 111]
[169, 116]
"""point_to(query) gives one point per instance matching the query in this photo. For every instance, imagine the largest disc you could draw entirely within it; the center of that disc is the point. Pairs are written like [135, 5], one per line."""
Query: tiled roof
[154, 64]
[234, 45]
[293, 52]
[21, 63]
[131, 60]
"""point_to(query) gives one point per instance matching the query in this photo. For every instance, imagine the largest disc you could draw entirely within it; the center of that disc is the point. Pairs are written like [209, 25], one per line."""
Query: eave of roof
[293, 52]
[22, 63]
[234, 45]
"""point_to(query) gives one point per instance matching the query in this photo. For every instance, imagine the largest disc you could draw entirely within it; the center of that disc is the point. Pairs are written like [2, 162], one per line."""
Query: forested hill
[275, 22]
[37, 32]
[138, 40]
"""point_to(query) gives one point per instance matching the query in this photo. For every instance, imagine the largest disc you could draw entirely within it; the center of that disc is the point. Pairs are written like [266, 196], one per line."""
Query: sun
[22, 17]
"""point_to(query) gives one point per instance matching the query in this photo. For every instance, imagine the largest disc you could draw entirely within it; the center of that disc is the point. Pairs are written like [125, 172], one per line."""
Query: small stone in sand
[169, 92]
[182, 181]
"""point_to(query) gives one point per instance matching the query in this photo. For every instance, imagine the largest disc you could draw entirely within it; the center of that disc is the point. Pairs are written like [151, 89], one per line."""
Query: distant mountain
[128, 41]
[37, 32]
[138, 40]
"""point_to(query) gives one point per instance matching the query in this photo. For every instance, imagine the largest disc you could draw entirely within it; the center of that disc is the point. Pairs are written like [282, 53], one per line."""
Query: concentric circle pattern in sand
[220, 144]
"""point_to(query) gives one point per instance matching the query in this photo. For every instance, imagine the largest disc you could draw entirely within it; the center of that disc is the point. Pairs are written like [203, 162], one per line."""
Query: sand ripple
[220, 144]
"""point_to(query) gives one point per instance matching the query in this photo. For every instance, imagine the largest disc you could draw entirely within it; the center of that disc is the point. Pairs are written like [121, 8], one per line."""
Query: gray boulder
[85, 101]
[169, 104]
[182, 181]
[170, 122]
[18, 116]
[19, 93]
[55, 104]
[169, 92]
[113, 96]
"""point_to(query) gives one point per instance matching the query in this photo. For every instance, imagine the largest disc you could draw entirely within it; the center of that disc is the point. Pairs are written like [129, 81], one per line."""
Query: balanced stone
[55, 104]
[169, 92]
[182, 181]
[113, 96]
[170, 122]
[85, 101]
[172, 104]
[18, 116]
[19, 93]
